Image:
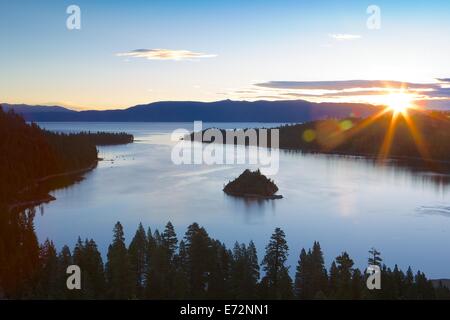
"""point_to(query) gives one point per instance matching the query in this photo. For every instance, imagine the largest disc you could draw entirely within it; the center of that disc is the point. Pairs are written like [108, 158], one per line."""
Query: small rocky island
[252, 184]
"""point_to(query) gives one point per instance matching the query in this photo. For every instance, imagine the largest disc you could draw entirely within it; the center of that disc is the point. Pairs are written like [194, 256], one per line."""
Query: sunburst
[400, 103]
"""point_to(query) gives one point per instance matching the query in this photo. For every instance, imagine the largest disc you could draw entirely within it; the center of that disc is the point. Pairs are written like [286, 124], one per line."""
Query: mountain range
[187, 111]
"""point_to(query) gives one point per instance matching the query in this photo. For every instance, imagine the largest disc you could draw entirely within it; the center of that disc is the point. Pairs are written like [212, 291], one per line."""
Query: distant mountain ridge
[25, 108]
[188, 111]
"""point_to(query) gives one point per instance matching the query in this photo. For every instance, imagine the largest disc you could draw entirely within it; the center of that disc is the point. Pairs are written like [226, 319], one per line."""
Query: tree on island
[252, 184]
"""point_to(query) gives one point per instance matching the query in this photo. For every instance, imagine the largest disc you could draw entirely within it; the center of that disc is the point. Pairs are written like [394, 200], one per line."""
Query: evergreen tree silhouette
[118, 270]
[138, 260]
[277, 281]
[198, 244]
[344, 276]
[374, 258]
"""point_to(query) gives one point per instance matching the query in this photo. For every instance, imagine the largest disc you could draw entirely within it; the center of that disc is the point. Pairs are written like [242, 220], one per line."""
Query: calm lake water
[344, 203]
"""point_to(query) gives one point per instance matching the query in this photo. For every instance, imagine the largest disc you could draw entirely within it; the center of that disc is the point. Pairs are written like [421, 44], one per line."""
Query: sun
[399, 102]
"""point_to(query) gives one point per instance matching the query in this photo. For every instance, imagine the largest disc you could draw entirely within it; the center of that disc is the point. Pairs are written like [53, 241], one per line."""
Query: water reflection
[253, 209]
[443, 210]
[419, 172]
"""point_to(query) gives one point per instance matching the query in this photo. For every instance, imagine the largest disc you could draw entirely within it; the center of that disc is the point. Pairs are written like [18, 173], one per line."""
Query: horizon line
[81, 109]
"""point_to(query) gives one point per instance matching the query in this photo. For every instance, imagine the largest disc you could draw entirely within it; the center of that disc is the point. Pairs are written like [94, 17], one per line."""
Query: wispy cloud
[432, 94]
[165, 54]
[345, 84]
[344, 36]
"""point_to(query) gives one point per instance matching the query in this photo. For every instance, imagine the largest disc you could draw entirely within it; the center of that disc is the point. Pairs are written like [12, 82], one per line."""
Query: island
[252, 184]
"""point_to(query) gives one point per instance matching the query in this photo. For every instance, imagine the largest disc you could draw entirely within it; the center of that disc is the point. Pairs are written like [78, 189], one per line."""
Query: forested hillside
[28, 153]
[421, 136]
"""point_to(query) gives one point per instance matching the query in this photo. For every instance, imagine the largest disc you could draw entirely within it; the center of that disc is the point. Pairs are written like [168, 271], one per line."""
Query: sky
[136, 52]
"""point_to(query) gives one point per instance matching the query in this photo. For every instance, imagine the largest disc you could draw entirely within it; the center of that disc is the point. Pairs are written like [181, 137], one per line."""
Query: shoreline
[433, 165]
[46, 198]
[254, 196]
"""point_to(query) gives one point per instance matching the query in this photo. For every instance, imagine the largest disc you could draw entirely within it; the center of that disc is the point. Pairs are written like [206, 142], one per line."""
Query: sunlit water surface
[345, 203]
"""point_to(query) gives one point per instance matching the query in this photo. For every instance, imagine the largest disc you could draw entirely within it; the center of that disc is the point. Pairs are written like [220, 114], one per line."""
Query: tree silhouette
[345, 270]
[374, 258]
[200, 267]
[138, 260]
[198, 244]
[118, 270]
[277, 281]
[311, 280]
[244, 271]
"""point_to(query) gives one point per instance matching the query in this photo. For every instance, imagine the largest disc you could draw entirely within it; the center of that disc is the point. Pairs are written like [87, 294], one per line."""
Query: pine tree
[150, 281]
[302, 276]
[311, 277]
[21, 261]
[277, 279]
[93, 273]
[319, 272]
[219, 271]
[425, 290]
[253, 271]
[237, 270]
[157, 268]
[47, 285]
[374, 258]
[64, 260]
[138, 260]
[398, 279]
[168, 250]
[169, 240]
[118, 270]
[181, 289]
[333, 280]
[357, 285]
[410, 290]
[198, 246]
[345, 270]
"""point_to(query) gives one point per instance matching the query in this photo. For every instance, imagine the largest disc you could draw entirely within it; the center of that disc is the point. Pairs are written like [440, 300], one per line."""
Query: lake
[344, 203]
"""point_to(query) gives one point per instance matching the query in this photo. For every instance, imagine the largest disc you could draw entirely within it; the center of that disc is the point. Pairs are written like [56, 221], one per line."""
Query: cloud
[344, 36]
[165, 54]
[443, 79]
[434, 94]
[441, 93]
[352, 93]
[345, 85]
[371, 91]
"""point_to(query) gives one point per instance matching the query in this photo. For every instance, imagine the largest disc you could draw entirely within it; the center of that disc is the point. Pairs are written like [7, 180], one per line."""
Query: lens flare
[399, 102]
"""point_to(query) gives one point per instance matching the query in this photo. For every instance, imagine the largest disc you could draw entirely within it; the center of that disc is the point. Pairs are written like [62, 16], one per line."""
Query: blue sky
[215, 50]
